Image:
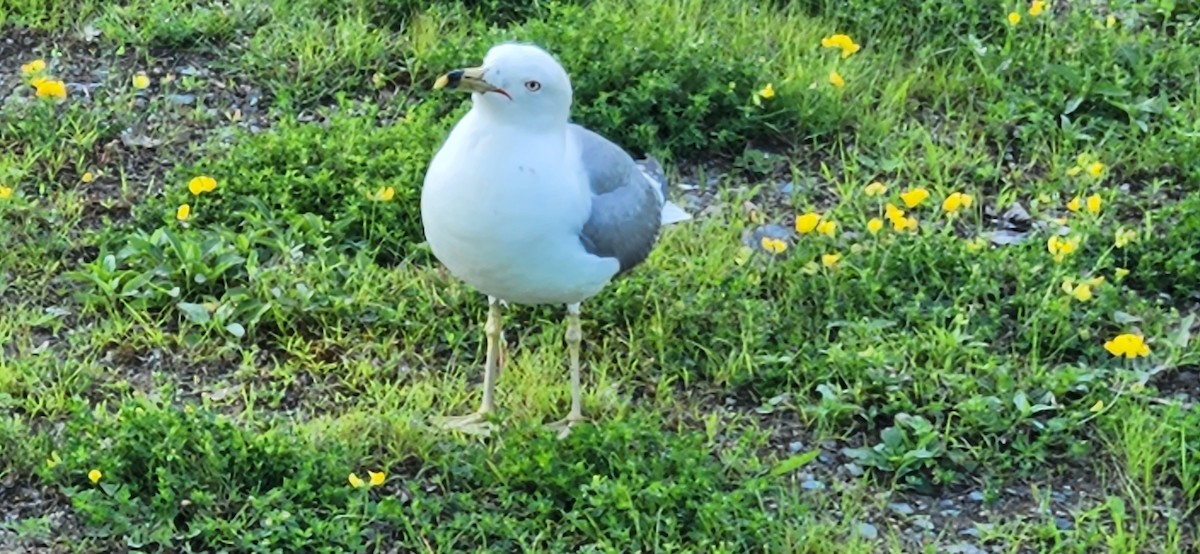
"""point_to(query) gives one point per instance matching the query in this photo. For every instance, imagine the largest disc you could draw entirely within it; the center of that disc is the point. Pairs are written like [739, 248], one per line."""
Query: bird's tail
[653, 170]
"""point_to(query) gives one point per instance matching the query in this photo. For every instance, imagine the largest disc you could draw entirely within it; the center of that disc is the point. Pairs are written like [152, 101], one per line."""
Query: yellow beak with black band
[469, 80]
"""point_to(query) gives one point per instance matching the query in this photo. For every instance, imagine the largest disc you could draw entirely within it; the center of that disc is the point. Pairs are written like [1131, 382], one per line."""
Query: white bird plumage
[531, 209]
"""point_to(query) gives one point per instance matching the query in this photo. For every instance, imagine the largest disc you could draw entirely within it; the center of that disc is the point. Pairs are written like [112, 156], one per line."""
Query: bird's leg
[574, 339]
[476, 423]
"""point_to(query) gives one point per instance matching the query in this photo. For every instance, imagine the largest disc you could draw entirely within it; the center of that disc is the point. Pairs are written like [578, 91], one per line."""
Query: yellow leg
[476, 423]
[574, 339]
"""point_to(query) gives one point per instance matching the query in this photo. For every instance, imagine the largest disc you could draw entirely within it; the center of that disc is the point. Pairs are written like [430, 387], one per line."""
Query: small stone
[963, 548]
[976, 496]
[854, 470]
[795, 447]
[1063, 524]
[182, 99]
[923, 522]
[868, 531]
[812, 485]
[902, 508]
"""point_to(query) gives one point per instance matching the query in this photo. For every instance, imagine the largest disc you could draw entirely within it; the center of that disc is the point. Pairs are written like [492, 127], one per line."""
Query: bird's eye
[533, 86]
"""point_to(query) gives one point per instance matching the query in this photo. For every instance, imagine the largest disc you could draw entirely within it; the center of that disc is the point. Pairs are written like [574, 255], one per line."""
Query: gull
[529, 208]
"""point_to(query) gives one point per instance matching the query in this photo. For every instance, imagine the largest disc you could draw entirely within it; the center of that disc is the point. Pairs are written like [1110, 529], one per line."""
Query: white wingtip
[672, 213]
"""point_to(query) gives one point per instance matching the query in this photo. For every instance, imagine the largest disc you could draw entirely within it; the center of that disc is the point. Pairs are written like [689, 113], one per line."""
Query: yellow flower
[1074, 171]
[1110, 21]
[976, 244]
[893, 213]
[1082, 292]
[767, 92]
[830, 260]
[1060, 248]
[183, 212]
[915, 196]
[49, 88]
[773, 245]
[385, 194]
[1095, 169]
[141, 81]
[827, 228]
[1036, 8]
[5, 192]
[35, 66]
[1099, 405]
[87, 177]
[807, 223]
[355, 481]
[1073, 205]
[1093, 203]
[201, 184]
[376, 477]
[1014, 18]
[1128, 345]
[836, 79]
[1124, 237]
[955, 201]
[1120, 273]
[94, 476]
[875, 189]
[874, 225]
[844, 42]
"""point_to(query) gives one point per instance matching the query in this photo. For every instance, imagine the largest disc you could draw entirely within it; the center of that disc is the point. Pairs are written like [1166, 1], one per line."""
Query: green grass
[931, 389]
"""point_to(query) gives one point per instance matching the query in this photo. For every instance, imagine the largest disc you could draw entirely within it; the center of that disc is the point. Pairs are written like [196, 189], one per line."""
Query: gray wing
[626, 209]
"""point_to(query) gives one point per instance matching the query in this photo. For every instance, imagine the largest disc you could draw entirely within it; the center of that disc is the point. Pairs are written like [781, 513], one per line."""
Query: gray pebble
[854, 470]
[795, 446]
[182, 99]
[902, 508]
[963, 548]
[976, 496]
[868, 531]
[1063, 524]
[813, 485]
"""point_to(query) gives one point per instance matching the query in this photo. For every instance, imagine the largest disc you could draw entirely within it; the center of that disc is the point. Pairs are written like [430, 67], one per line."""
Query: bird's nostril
[454, 77]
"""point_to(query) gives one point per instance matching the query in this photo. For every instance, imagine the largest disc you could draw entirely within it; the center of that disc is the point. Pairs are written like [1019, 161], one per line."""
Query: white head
[517, 83]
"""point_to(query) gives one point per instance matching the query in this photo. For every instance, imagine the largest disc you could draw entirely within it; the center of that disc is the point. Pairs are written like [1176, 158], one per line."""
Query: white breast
[507, 221]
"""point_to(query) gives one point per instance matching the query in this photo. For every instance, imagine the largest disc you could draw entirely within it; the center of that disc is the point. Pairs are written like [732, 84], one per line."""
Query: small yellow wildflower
[355, 481]
[1128, 345]
[844, 42]
[1095, 169]
[183, 212]
[1075, 170]
[1137, 387]
[1110, 21]
[955, 201]
[385, 194]
[767, 92]
[87, 177]
[94, 476]
[1060, 248]
[201, 184]
[875, 189]
[1082, 292]
[836, 79]
[1074, 204]
[827, 228]
[49, 88]
[140, 80]
[874, 225]
[1097, 407]
[376, 477]
[1120, 273]
[830, 260]
[1014, 18]
[807, 223]
[35, 66]
[5, 192]
[1036, 8]
[893, 212]
[1124, 237]
[1093, 203]
[773, 245]
[976, 244]
[914, 197]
